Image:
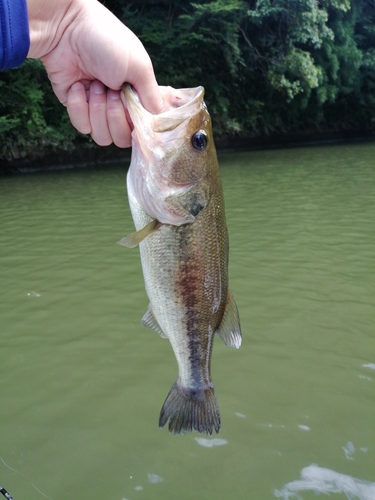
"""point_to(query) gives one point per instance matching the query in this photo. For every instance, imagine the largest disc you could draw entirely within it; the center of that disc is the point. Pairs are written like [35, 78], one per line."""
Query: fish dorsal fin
[149, 321]
[230, 329]
[134, 239]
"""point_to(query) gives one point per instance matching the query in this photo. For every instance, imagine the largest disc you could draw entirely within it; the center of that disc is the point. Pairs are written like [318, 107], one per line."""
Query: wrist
[48, 20]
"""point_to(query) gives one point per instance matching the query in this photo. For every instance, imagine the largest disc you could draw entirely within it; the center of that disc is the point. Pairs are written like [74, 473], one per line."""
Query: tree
[32, 121]
[268, 67]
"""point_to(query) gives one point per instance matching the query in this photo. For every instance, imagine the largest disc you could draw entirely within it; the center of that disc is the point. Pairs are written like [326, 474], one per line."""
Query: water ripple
[326, 481]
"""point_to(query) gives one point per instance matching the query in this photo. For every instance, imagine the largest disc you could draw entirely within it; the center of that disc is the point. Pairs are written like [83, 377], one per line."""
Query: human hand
[88, 54]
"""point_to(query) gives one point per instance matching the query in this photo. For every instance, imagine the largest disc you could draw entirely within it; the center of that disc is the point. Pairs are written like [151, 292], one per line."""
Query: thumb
[142, 77]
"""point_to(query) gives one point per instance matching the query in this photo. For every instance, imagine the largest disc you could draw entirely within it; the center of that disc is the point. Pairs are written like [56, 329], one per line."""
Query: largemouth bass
[177, 204]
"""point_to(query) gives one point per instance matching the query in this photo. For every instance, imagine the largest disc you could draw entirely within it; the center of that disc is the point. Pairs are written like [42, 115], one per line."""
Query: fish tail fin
[190, 409]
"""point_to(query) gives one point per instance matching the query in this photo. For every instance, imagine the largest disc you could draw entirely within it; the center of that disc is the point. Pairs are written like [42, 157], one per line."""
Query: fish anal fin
[229, 329]
[190, 409]
[134, 239]
[149, 321]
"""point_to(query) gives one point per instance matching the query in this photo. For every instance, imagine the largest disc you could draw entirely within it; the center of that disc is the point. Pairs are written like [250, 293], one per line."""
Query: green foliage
[32, 121]
[268, 66]
[194, 44]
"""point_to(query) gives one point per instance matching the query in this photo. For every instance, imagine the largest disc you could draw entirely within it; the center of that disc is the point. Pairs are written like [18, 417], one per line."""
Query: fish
[176, 200]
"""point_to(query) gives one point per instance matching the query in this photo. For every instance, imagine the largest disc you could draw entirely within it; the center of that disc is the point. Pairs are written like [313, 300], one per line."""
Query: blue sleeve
[14, 33]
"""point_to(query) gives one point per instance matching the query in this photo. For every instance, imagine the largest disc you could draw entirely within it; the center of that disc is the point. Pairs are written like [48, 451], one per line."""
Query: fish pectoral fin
[230, 329]
[149, 321]
[134, 239]
[179, 214]
[185, 206]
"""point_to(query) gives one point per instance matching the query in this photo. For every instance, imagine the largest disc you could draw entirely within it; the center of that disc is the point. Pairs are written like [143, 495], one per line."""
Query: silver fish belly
[185, 270]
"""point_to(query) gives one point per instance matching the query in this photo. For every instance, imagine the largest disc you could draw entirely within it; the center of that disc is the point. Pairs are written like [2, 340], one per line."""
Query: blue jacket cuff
[14, 33]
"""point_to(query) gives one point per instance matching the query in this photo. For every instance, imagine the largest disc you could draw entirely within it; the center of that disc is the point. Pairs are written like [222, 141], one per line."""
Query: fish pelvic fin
[134, 239]
[190, 409]
[230, 329]
[149, 321]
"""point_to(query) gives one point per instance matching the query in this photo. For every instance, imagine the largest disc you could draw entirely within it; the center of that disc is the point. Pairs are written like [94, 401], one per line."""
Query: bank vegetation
[271, 68]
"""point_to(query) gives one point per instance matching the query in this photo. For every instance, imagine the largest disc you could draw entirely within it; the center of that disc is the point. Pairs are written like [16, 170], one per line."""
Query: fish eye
[199, 140]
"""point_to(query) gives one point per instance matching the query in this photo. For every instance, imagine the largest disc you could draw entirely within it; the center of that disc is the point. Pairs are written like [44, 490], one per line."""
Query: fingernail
[97, 87]
[113, 95]
[76, 86]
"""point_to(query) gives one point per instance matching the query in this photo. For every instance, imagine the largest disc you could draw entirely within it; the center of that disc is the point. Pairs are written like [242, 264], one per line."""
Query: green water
[82, 382]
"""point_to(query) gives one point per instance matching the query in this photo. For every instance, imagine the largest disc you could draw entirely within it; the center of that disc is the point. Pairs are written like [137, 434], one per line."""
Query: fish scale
[177, 204]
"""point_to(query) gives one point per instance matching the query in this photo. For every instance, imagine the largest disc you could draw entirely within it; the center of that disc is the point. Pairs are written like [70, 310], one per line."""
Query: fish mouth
[180, 104]
[129, 120]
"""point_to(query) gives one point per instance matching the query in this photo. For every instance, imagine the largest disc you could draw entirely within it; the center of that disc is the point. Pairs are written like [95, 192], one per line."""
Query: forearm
[48, 20]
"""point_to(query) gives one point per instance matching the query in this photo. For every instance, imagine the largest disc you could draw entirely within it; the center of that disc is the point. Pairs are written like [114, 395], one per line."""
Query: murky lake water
[82, 382]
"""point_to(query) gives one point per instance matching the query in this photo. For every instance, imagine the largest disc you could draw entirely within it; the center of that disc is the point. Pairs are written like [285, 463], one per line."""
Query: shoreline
[107, 155]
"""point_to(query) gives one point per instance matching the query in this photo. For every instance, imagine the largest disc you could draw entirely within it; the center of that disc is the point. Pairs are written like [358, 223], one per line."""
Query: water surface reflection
[82, 383]
[326, 481]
